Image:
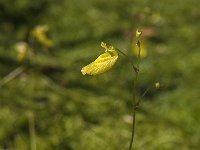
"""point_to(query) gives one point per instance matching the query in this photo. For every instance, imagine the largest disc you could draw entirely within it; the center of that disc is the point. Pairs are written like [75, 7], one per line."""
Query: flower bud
[138, 34]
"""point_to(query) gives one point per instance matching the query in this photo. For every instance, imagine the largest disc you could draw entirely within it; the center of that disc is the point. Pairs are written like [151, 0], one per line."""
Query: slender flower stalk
[135, 103]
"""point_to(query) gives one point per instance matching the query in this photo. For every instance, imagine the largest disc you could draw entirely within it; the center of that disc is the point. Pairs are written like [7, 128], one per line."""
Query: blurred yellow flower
[103, 63]
[138, 34]
[22, 50]
[135, 50]
[39, 32]
[157, 85]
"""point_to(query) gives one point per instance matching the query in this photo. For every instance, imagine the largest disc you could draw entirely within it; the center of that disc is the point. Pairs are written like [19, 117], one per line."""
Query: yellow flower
[22, 50]
[103, 63]
[39, 32]
[157, 85]
[138, 34]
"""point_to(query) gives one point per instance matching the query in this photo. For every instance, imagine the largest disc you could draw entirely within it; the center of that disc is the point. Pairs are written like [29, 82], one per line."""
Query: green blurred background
[47, 104]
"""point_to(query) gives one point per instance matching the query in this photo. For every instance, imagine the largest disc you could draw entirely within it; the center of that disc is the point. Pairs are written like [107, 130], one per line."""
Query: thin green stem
[11, 75]
[134, 111]
[134, 97]
[144, 93]
[136, 70]
[138, 62]
[133, 130]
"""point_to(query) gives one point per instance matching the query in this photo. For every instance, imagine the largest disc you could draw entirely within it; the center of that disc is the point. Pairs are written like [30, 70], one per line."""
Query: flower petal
[102, 64]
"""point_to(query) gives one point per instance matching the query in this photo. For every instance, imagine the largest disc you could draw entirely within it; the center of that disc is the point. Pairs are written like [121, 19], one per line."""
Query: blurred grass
[72, 111]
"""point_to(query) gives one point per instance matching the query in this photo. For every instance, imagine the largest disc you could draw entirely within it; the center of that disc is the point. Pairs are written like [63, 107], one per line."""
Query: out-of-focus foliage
[75, 112]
